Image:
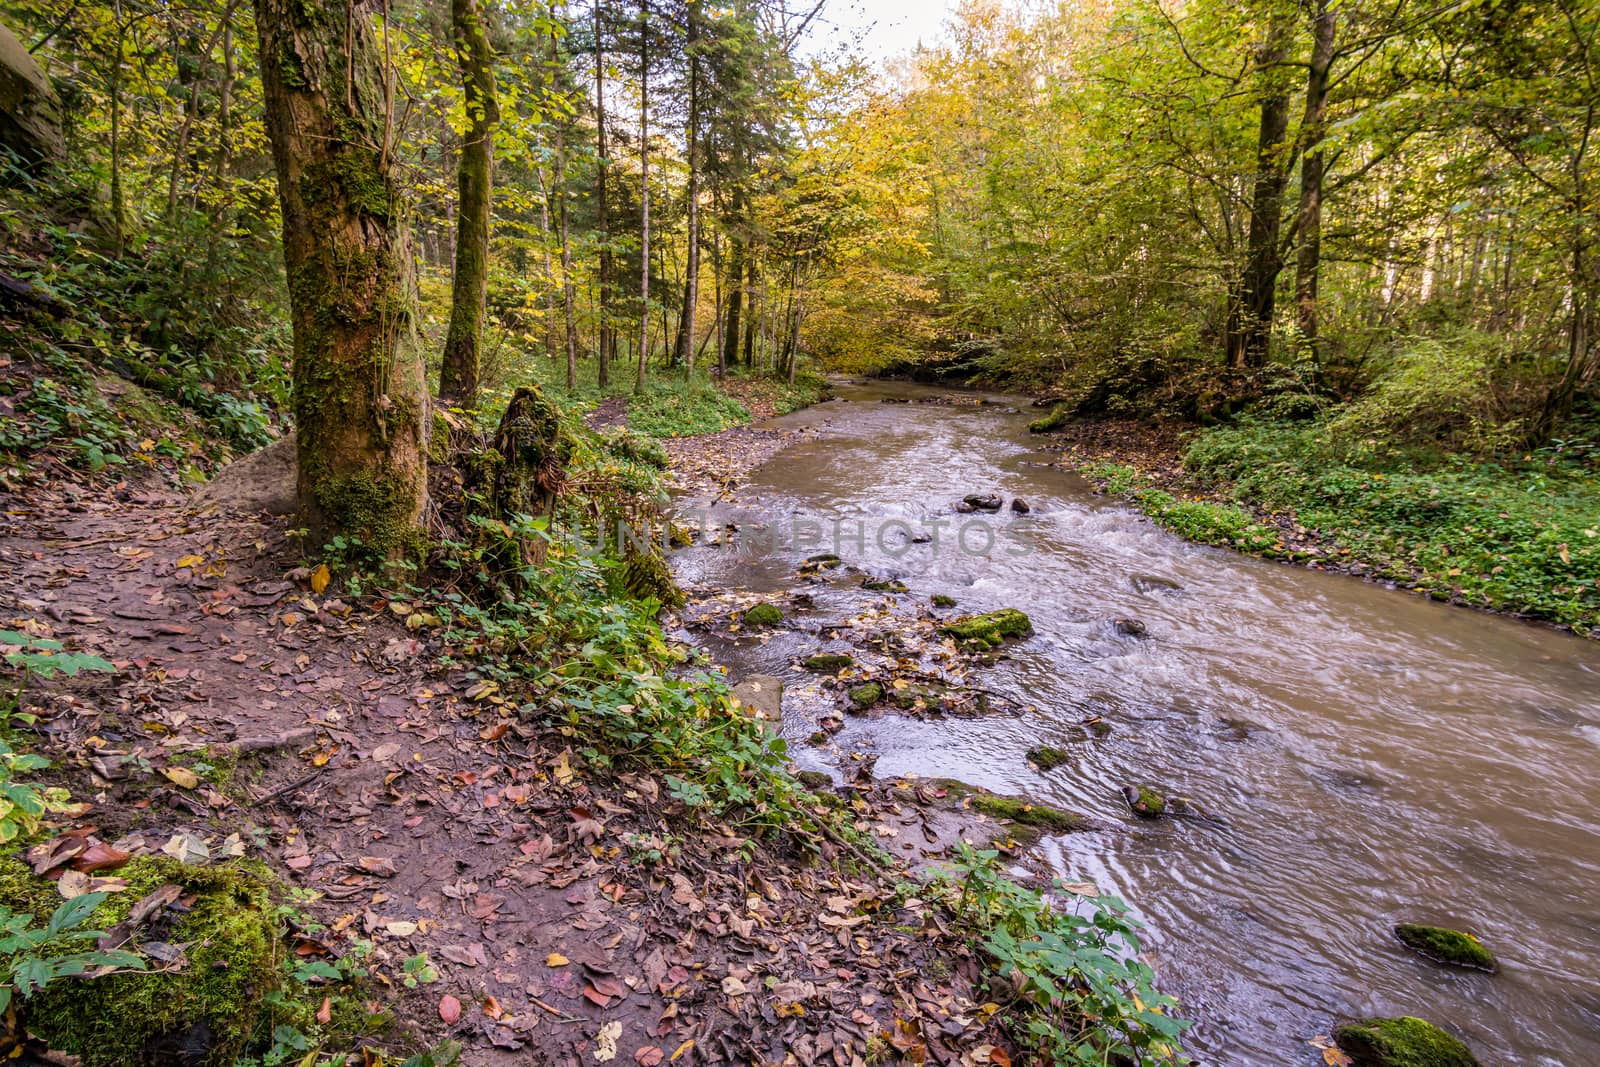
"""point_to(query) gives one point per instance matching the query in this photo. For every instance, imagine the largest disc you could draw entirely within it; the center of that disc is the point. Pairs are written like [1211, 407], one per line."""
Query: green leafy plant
[1073, 987]
[34, 956]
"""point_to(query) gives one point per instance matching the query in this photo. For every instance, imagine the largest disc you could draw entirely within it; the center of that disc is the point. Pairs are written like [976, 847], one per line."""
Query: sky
[886, 28]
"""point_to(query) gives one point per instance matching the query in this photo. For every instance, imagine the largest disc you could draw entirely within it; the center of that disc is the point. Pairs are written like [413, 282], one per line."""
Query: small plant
[1075, 991]
[44, 658]
[418, 970]
[35, 956]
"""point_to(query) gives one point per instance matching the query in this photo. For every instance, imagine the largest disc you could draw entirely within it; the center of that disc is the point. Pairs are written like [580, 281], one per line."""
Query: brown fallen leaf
[378, 866]
[491, 1007]
[449, 1009]
[649, 1056]
[100, 857]
[325, 1013]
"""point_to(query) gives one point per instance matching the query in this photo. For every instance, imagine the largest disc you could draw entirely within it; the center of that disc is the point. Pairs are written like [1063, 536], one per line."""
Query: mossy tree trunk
[458, 376]
[360, 401]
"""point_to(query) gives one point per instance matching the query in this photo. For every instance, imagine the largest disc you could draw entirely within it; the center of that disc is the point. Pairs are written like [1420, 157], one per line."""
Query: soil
[431, 814]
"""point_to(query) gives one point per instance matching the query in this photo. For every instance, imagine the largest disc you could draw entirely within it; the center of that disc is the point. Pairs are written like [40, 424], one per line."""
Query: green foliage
[36, 956]
[41, 657]
[1203, 521]
[673, 409]
[1072, 989]
[1520, 535]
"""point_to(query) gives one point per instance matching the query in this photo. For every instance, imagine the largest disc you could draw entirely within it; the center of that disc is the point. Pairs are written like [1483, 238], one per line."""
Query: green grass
[1520, 534]
[680, 409]
[1203, 521]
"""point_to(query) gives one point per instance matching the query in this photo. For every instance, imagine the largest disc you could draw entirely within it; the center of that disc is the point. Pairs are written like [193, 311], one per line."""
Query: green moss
[1027, 813]
[940, 600]
[814, 780]
[646, 576]
[1145, 801]
[884, 585]
[865, 695]
[374, 508]
[1443, 945]
[230, 941]
[911, 696]
[1403, 1042]
[763, 615]
[1048, 758]
[828, 662]
[1053, 421]
[990, 629]
[439, 439]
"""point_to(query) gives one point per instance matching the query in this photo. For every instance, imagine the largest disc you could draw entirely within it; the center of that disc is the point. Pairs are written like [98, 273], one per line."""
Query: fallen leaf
[381, 866]
[606, 1042]
[556, 959]
[181, 776]
[100, 857]
[320, 579]
[491, 1007]
[649, 1056]
[325, 1013]
[449, 1009]
[187, 848]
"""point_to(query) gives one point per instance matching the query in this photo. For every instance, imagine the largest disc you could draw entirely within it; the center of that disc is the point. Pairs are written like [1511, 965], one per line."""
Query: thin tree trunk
[644, 192]
[691, 276]
[735, 287]
[1250, 318]
[1313, 165]
[750, 312]
[360, 401]
[119, 212]
[568, 295]
[463, 344]
[607, 335]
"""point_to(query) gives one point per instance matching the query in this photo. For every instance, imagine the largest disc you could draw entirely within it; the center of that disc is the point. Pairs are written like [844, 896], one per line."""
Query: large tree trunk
[458, 376]
[1250, 317]
[568, 294]
[360, 402]
[644, 193]
[751, 277]
[730, 336]
[1313, 164]
[607, 335]
[684, 348]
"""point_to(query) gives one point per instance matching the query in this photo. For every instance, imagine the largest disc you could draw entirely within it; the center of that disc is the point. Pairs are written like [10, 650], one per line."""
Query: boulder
[261, 481]
[1147, 803]
[1048, 757]
[1130, 627]
[983, 501]
[1020, 506]
[1154, 583]
[762, 694]
[827, 662]
[865, 695]
[942, 600]
[30, 111]
[1402, 1042]
[1443, 945]
[884, 585]
[763, 615]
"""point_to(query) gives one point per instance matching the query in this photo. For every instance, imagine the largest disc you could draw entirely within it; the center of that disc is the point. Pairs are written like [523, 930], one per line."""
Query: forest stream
[1362, 756]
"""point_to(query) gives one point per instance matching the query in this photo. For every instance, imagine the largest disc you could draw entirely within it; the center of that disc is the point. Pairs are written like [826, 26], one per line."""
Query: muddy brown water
[1365, 756]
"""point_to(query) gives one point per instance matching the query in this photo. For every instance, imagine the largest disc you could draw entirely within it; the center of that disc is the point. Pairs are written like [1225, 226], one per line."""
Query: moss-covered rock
[1048, 757]
[204, 1011]
[828, 662]
[1402, 1042]
[1443, 945]
[1051, 422]
[884, 585]
[917, 696]
[990, 629]
[763, 615]
[941, 600]
[865, 695]
[814, 780]
[1146, 802]
[1028, 813]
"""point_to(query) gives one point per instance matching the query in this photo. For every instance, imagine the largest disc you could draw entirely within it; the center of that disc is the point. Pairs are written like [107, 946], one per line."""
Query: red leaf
[648, 1056]
[325, 1013]
[449, 1009]
[599, 998]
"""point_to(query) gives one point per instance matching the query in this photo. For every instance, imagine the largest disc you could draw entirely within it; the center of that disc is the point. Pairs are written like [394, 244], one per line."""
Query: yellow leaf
[181, 776]
[320, 578]
[556, 959]
[1334, 1058]
[685, 1047]
[1566, 556]
[190, 561]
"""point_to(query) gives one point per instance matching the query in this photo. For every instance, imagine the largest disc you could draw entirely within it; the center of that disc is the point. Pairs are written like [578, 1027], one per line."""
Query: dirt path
[431, 816]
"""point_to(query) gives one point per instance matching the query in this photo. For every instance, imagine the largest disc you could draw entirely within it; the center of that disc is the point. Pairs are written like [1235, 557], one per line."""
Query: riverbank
[1519, 537]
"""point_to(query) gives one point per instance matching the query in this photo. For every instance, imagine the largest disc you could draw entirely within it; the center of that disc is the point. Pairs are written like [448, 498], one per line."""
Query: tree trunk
[458, 375]
[730, 336]
[644, 193]
[750, 312]
[360, 401]
[691, 277]
[1250, 317]
[568, 295]
[607, 335]
[1313, 164]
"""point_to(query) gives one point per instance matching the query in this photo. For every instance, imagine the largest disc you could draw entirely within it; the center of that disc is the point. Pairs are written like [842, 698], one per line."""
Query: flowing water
[1366, 756]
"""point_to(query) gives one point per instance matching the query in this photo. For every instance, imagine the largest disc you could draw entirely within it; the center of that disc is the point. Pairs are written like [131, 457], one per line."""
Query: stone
[1402, 1042]
[1048, 757]
[827, 662]
[814, 780]
[1146, 802]
[1020, 506]
[763, 615]
[1443, 945]
[983, 501]
[940, 600]
[261, 481]
[30, 111]
[990, 629]
[762, 694]
[1130, 627]
[884, 585]
[1154, 583]
[865, 695]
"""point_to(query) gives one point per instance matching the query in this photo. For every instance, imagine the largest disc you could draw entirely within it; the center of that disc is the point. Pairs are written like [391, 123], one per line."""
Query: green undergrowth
[1204, 521]
[1518, 534]
[1070, 985]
